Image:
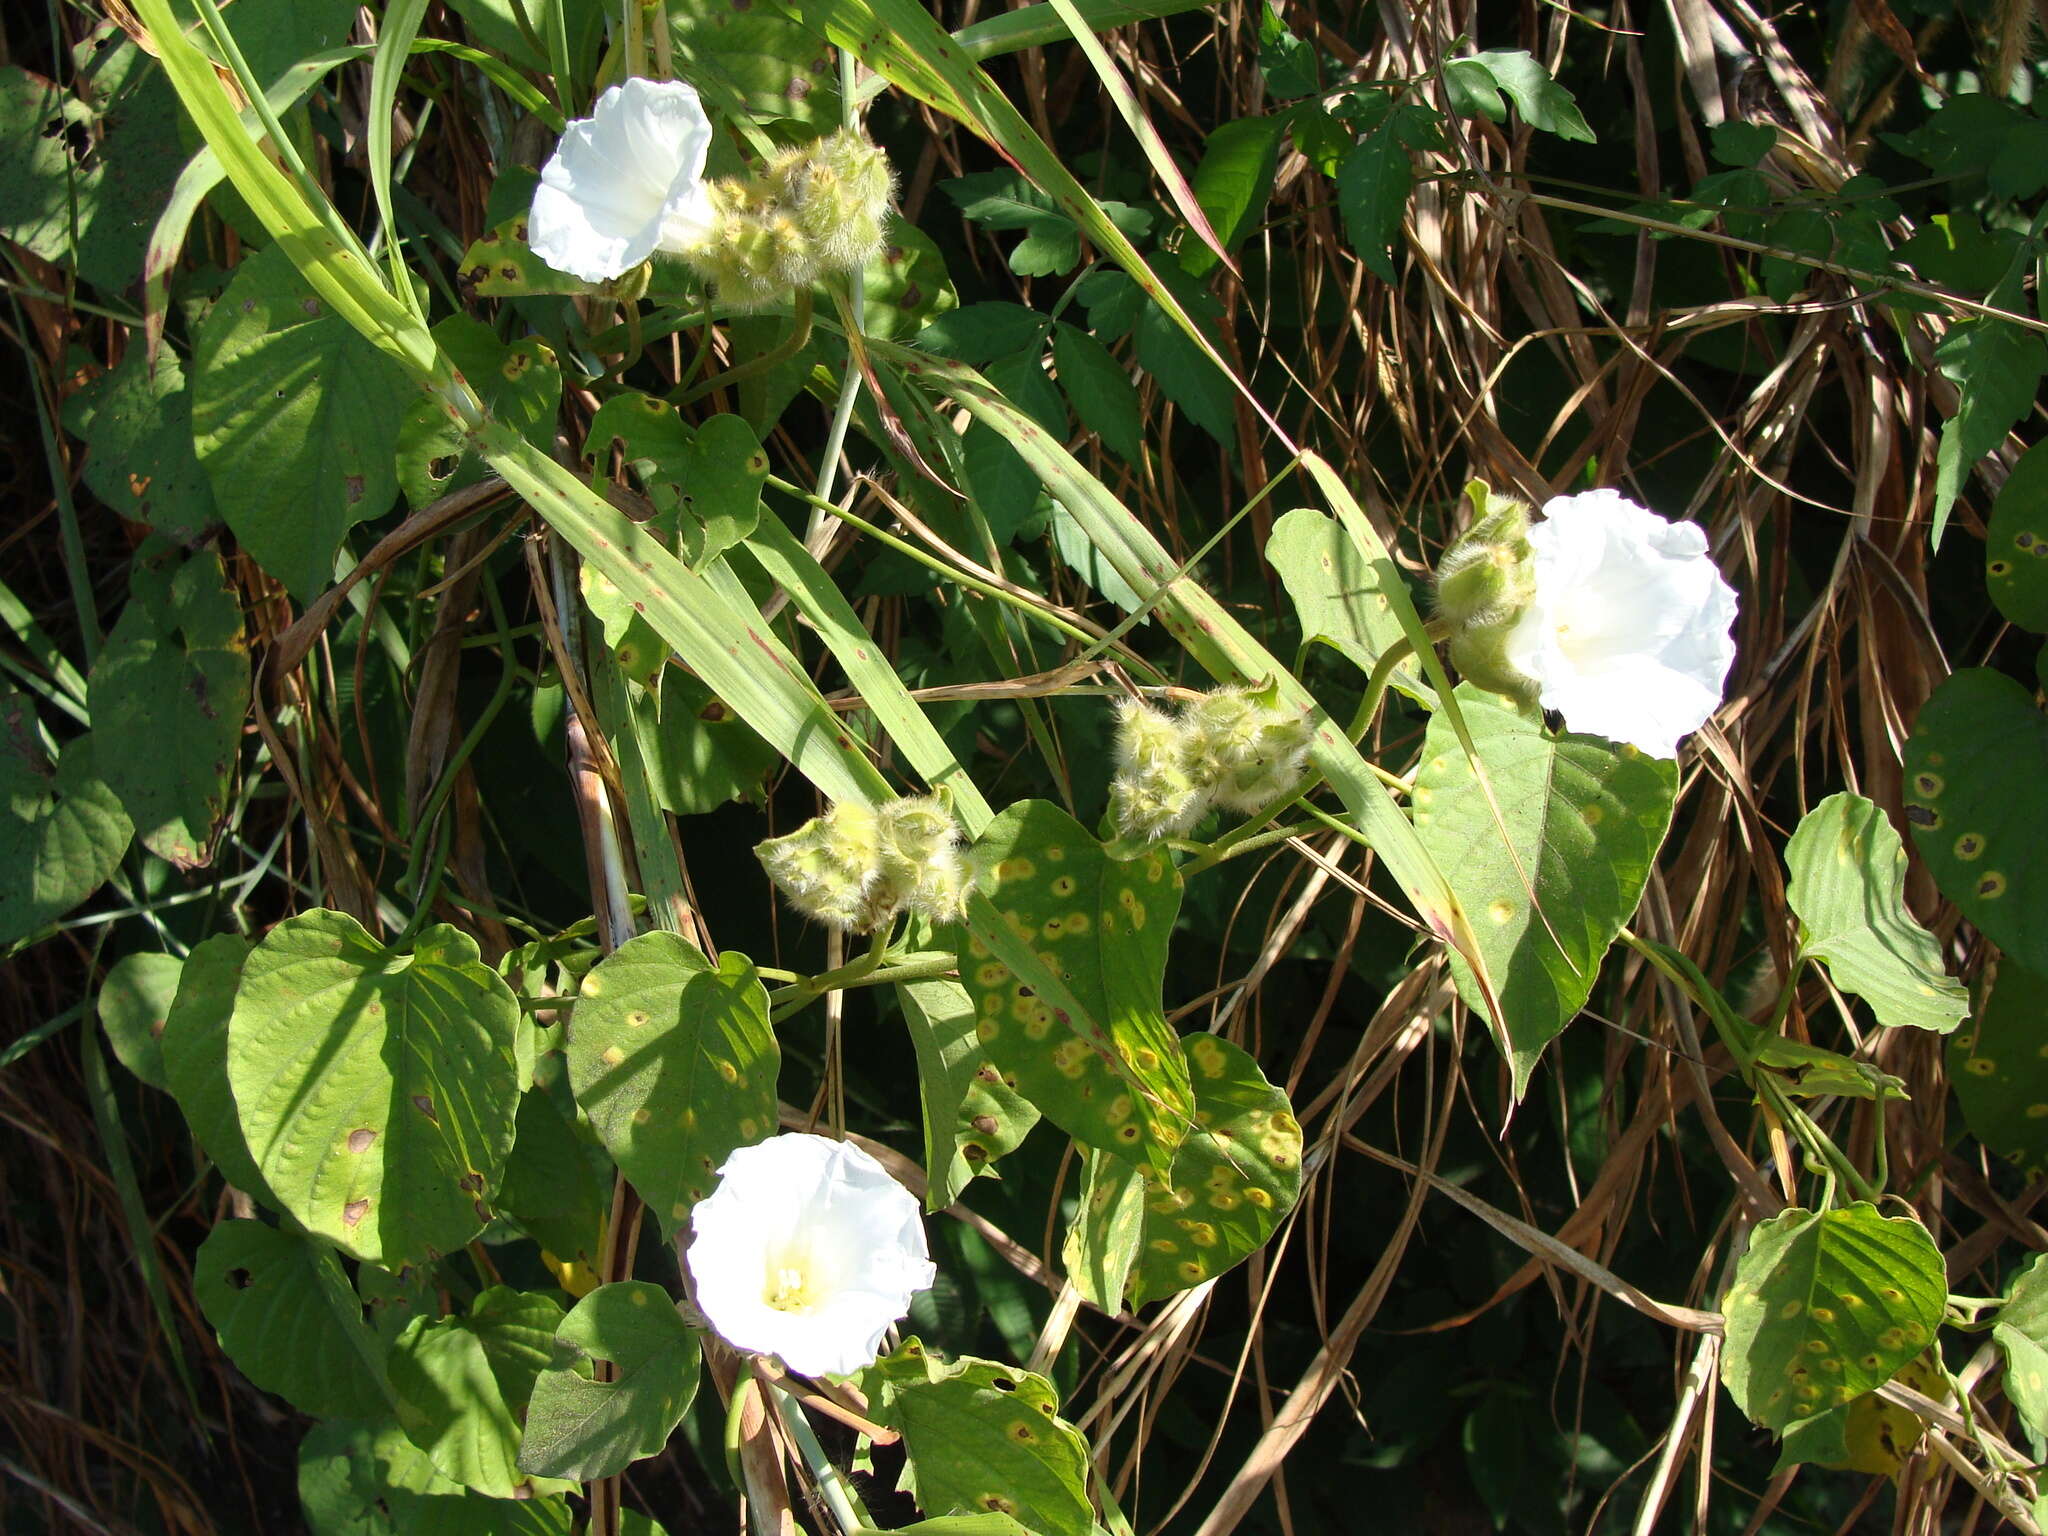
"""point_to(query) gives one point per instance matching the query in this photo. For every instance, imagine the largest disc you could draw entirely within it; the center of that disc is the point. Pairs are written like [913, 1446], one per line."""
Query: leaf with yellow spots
[1868, 1435]
[1848, 883]
[983, 1438]
[674, 1062]
[1999, 1069]
[1064, 954]
[1141, 1236]
[1584, 820]
[376, 1089]
[1826, 1307]
[1975, 765]
[971, 1116]
[585, 1429]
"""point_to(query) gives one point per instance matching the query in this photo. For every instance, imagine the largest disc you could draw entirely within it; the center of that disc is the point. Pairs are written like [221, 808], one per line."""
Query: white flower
[808, 1249]
[625, 182]
[1629, 633]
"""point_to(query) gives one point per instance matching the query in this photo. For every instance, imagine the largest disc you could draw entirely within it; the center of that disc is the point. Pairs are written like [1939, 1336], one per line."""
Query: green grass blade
[394, 45]
[729, 646]
[819, 599]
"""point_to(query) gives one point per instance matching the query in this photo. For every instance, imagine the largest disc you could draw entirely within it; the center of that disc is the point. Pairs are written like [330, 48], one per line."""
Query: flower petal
[623, 181]
[1629, 634]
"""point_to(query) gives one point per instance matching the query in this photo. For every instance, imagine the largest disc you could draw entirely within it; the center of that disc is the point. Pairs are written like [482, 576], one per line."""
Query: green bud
[829, 866]
[1487, 576]
[1480, 655]
[757, 253]
[1147, 738]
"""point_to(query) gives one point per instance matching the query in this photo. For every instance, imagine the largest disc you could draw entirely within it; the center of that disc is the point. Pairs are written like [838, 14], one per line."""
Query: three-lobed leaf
[293, 416]
[175, 674]
[288, 1318]
[1847, 887]
[1336, 591]
[584, 1429]
[463, 1384]
[983, 1438]
[62, 830]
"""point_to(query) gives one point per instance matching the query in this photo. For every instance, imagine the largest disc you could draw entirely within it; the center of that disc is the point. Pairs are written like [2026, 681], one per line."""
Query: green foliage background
[346, 738]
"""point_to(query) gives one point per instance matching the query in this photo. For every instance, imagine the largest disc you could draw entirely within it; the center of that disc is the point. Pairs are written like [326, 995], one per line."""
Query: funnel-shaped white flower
[1628, 635]
[625, 182]
[808, 1249]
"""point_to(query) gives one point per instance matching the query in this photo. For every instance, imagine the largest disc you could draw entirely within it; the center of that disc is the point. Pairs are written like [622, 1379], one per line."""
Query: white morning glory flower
[625, 182]
[808, 1249]
[1629, 635]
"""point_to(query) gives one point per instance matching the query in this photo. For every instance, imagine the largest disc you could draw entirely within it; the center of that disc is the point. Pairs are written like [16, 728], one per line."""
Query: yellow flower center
[788, 1290]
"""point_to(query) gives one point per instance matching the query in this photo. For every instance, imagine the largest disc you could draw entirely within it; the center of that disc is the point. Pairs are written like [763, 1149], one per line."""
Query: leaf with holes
[1337, 594]
[719, 480]
[699, 752]
[195, 1054]
[138, 425]
[293, 415]
[463, 1386]
[520, 383]
[174, 673]
[675, 1064]
[769, 62]
[1584, 819]
[376, 1089]
[134, 1004]
[2021, 1330]
[367, 1479]
[584, 1429]
[1825, 1307]
[2016, 544]
[906, 287]
[983, 1438]
[287, 1317]
[971, 1116]
[62, 830]
[502, 265]
[1065, 961]
[1975, 766]
[1848, 884]
[1999, 1074]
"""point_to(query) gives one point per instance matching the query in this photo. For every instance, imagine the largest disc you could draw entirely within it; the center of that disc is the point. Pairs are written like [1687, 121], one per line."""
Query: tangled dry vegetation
[1451, 1329]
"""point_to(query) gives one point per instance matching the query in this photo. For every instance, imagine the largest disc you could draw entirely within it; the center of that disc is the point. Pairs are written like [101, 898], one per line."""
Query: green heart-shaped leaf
[583, 1429]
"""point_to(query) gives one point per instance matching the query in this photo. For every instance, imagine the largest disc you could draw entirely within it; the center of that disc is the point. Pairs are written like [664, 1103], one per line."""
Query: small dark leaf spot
[986, 1124]
[425, 1106]
[483, 1212]
[1921, 816]
[240, 1279]
[353, 1213]
[1004, 1384]
[359, 1139]
[354, 486]
[443, 467]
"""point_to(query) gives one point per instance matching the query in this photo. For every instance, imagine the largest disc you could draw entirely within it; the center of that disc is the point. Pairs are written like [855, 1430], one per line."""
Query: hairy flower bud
[1243, 749]
[1155, 802]
[920, 864]
[1480, 654]
[1487, 576]
[828, 867]
[838, 192]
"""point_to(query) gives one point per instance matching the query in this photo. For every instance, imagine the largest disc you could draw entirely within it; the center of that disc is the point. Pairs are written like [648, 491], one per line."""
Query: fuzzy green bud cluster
[1232, 747]
[857, 866]
[1483, 583]
[816, 209]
